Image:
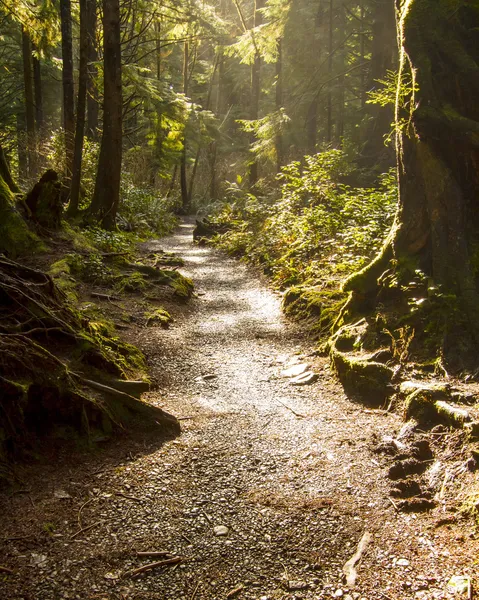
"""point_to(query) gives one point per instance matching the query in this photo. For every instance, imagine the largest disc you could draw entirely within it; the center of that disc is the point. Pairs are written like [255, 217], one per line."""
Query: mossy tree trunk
[437, 222]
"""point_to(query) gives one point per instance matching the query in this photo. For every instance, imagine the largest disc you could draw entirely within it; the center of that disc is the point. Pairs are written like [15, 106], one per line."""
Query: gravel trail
[266, 493]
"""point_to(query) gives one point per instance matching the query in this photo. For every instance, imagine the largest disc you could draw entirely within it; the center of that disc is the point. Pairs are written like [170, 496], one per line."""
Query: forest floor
[266, 493]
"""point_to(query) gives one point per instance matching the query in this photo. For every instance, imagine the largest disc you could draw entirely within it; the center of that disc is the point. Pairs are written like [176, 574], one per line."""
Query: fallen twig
[232, 593]
[296, 414]
[349, 568]
[6, 570]
[186, 538]
[128, 497]
[80, 511]
[85, 529]
[154, 553]
[160, 563]
[193, 595]
[103, 296]
[394, 504]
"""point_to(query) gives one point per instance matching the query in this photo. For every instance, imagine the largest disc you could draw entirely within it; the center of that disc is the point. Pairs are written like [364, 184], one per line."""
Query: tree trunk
[81, 107]
[92, 91]
[329, 102]
[437, 223]
[255, 94]
[183, 179]
[384, 53]
[106, 197]
[21, 146]
[279, 105]
[37, 80]
[68, 83]
[29, 105]
[5, 173]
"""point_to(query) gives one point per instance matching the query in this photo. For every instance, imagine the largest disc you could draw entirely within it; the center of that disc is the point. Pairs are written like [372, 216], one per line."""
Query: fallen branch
[296, 414]
[349, 568]
[103, 296]
[80, 511]
[85, 529]
[6, 570]
[160, 563]
[128, 497]
[193, 595]
[156, 553]
[232, 593]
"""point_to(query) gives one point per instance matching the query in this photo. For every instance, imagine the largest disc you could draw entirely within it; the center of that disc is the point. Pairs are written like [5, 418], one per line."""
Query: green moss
[16, 239]
[134, 282]
[61, 273]
[158, 317]
[370, 381]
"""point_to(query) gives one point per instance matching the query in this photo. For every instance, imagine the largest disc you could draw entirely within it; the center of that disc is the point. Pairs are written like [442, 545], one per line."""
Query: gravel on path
[265, 495]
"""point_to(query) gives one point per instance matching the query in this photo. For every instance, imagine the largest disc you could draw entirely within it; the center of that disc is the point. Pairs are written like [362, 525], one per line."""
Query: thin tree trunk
[21, 146]
[81, 108]
[329, 126]
[206, 107]
[183, 179]
[29, 105]
[92, 91]
[279, 105]
[6, 174]
[218, 112]
[106, 197]
[68, 83]
[255, 94]
[37, 80]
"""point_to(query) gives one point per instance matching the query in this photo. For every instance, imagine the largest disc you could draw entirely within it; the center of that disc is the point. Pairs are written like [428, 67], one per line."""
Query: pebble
[220, 530]
[402, 562]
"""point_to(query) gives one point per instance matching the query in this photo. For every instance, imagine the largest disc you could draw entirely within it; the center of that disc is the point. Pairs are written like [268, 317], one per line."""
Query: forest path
[288, 471]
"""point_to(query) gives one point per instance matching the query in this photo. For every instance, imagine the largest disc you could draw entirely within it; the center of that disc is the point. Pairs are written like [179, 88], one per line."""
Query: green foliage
[111, 241]
[90, 267]
[318, 228]
[144, 209]
[266, 131]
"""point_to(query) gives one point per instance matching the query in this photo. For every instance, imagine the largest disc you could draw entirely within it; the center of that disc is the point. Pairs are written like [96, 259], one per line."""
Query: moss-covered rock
[160, 317]
[367, 380]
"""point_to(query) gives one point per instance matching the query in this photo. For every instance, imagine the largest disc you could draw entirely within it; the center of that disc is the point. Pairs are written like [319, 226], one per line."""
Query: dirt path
[287, 471]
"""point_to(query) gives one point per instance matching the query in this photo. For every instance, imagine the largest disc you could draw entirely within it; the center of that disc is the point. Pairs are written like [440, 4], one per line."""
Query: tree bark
[37, 80]
[437, 223]
[68, 83]
[92, 91]
[5, 173]
[106, 198]
[183, 179]
[29, 105]
[279, 105]
[85, 8]
[384, 52]
[255, 94]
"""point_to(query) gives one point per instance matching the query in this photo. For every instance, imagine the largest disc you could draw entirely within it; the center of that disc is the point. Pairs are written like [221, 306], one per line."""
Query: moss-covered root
[368, 381]
[429, 404]
[182, 286]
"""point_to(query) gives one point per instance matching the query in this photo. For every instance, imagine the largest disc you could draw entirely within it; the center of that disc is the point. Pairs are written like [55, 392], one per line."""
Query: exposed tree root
[58, 371]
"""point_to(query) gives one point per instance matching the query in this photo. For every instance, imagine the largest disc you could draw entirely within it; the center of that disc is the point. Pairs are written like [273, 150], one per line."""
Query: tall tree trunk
[5, 173]
[384, 52]
[21, 146]
[255, 93]
[106, 197]
[29, 105]
[81, 107]
[213, 155]
[312, 113]
[183, 179]
[329, 109]
[92, 91]
[37, 80]
[68, 83]
[279, 105]
[437, 223]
